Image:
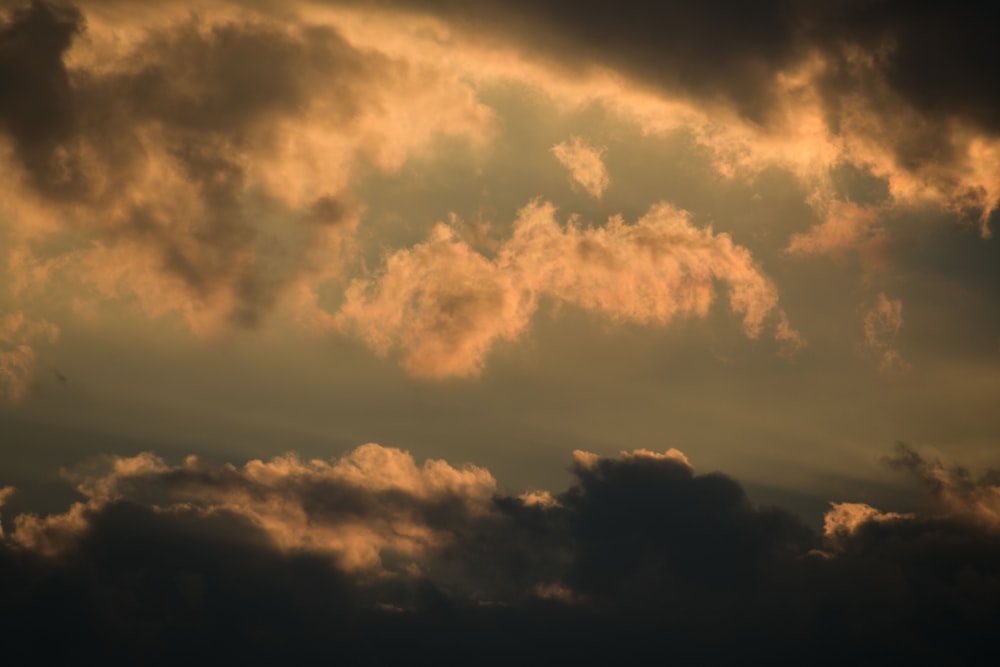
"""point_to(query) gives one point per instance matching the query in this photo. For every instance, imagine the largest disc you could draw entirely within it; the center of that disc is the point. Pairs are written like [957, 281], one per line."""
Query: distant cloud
[585, 164]
[445, 305]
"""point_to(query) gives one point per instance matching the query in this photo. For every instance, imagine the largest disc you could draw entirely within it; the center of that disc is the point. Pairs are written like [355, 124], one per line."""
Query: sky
[406, 325]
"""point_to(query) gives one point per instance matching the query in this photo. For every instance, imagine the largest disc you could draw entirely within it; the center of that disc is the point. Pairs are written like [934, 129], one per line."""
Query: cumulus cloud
[882, 323]
[585, 164]
[444, 305]
[640, 546]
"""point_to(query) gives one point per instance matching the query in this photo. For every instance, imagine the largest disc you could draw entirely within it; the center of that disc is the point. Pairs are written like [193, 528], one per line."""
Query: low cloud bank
[371, 557]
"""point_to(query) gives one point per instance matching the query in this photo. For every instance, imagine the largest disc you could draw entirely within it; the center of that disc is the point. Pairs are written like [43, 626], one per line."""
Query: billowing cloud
[585, 164]
[444, 304]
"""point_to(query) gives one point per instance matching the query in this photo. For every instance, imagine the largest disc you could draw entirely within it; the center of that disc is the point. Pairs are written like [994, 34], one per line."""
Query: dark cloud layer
[914, 71]
[719, 48]
[639, 558]
[143, 586]
[936, 56]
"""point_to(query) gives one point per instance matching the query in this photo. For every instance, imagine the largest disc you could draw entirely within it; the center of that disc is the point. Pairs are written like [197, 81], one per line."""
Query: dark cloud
[717, 49]
[910, 69]
[639, 555]
[155, 588]
[647, 525]
[938, 57]
[36, 105]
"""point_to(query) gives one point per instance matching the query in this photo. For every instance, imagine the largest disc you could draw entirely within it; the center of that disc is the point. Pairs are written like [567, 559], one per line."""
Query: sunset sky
[378, 289]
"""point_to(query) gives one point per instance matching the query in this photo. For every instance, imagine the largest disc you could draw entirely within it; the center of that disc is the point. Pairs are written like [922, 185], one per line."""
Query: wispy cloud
[585, 164]
[846, 226]
[17, 352]
[882, 323]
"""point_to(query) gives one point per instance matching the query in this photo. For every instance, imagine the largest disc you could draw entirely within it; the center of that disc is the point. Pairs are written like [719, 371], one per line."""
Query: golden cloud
[585, 164]
[444, 305]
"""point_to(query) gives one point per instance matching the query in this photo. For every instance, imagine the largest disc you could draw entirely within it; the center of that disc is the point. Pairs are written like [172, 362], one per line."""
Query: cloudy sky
[548, 310]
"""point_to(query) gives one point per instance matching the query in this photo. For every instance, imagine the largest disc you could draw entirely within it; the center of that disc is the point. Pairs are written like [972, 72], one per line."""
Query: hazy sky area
[374, 290]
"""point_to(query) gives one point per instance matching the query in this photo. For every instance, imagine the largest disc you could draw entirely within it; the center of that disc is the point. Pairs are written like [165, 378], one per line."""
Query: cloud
[200, 165]
[883, 322]
[804, 86]
[150, 586]
[373, 500]
[585, 164]
[954, 492]
[444, 304]
[5, 493]
[17, 354]
[207, 165]
[844, 519]
[639, 547]
[441, 302]
[845, 227]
